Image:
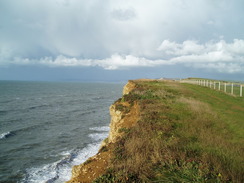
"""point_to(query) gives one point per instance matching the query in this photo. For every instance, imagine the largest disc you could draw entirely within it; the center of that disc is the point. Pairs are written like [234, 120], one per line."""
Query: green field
[186, 133]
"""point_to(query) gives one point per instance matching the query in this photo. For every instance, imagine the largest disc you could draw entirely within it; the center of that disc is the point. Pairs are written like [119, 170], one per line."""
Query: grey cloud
[124, 14]
[99, 30]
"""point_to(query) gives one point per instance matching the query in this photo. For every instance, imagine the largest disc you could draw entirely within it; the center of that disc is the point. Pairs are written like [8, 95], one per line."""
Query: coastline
[164, 130]
[121, 118]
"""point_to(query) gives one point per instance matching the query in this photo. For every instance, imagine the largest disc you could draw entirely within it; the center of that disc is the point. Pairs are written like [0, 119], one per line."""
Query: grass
[236, 86]
[186, 133]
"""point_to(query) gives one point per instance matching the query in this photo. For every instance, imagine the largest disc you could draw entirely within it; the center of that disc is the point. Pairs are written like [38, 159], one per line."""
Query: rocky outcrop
[121, 119]
[123, 116]
[115, 123]
[128, 87]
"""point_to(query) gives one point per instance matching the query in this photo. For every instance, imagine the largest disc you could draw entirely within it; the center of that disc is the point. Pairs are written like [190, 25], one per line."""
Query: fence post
[219, 85]
[225, 87]
[240, 90]
[231, 88]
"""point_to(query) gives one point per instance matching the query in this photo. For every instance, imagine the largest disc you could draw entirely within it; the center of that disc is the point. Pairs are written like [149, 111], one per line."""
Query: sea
[48, 127]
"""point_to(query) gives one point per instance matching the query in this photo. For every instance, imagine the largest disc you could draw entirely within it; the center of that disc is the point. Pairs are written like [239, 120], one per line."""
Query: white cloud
[210, 51]
[187, 47]
[112, 63]
[215, 56]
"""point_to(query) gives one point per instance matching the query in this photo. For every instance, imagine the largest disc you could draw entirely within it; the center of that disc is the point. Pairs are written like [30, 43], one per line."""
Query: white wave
[41, 174]
[65, 172]
[98, 136]
[5, 135]
[65, 153]
[100, 129]
[85, 153]
[60, 171]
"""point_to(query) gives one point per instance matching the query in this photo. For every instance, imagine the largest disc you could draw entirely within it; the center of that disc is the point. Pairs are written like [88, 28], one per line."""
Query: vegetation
[186, 133]
[224, 85]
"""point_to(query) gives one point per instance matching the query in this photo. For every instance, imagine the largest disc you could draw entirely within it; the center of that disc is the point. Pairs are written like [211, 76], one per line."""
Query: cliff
[123, 116]
[167, 131]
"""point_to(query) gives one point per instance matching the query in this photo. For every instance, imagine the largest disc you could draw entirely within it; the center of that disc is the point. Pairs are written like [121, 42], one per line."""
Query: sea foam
[5, 135]
[60, 171]
[98, 136]
[100, 129]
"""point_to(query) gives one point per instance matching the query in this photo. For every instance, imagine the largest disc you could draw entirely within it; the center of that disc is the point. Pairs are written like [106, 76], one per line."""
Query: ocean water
[46, 127]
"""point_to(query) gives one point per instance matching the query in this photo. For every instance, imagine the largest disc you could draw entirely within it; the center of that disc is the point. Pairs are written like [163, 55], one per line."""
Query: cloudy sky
[117, 40]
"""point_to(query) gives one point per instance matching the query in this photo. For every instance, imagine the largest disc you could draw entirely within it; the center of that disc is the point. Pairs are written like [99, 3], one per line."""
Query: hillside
[166, 131]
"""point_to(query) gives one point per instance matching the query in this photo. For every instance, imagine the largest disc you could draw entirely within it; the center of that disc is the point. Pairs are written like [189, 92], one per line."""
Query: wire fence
[232, 88]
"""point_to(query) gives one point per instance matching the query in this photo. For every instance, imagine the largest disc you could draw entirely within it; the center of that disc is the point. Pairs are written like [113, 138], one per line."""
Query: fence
[227, 87]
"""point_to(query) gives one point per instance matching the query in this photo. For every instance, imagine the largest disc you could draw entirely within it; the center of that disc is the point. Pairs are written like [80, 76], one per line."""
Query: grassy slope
[186, 133]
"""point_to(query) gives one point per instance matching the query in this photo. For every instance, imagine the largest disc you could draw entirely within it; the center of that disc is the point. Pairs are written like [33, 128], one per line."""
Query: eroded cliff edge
[123, 116]
[166, 131]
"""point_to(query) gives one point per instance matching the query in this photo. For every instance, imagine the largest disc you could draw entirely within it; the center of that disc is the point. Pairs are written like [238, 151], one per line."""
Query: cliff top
[167, 131]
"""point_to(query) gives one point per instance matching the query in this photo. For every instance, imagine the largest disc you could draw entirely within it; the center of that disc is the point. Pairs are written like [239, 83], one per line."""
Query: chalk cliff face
[115, 123]
[120, 119]
[128, 87]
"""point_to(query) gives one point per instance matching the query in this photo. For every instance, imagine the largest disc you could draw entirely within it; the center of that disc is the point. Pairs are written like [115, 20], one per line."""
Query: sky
[118, 40]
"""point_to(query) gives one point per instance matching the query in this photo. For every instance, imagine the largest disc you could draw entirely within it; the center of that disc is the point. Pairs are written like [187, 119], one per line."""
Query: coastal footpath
[166, 131]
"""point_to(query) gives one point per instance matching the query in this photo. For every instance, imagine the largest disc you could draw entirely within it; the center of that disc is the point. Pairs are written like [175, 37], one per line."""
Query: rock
[128, 87]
